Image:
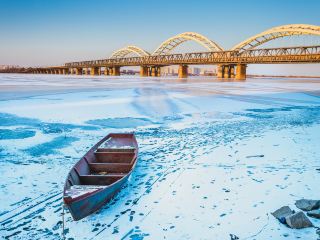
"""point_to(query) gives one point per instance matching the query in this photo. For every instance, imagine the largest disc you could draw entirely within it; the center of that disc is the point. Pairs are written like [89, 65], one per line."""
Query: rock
[298, 220]
[307, 204]
[314, 213]
[233, 237]
[282, 213]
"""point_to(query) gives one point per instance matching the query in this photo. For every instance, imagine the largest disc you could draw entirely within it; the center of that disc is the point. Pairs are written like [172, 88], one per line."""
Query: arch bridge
[231, 63]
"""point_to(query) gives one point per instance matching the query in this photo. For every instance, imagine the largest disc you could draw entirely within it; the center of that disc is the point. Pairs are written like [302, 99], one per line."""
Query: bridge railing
[252, 56]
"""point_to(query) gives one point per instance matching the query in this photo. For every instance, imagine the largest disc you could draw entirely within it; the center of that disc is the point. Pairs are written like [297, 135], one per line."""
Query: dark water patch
[19, 133]
[271, 110]
[173, 118]
[48, 128]
[7, 120]
[138, 236]
[121, 122]
[255, 116]
[51, 147]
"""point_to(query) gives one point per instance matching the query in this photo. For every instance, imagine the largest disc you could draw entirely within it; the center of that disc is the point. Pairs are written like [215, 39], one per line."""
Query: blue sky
[46, 32]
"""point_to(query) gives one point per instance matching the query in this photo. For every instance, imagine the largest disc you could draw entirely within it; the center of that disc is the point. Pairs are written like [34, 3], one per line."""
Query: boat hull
[84, 207]
[100, 174]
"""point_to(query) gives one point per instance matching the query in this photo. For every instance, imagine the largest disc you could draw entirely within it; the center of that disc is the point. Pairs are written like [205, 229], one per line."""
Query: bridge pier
[106, 71]
[116, 71]
[231, 71]
[153, 72]
[65, 71]
[158, 71]
[241, 72]
[94, 71]
[225, 71]
[220, 71]
[183, 71]
[143, 71]
[78, 71]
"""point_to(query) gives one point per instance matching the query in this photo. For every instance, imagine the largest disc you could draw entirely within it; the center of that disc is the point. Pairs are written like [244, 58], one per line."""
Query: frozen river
[216, 157]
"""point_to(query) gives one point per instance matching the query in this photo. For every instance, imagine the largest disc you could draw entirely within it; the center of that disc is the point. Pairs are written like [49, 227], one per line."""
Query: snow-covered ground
[216, 157]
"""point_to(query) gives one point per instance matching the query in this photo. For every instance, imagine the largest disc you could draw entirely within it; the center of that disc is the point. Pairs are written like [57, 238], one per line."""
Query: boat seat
[97, 167]
[101, 179]
[114, 157]
[103, 149]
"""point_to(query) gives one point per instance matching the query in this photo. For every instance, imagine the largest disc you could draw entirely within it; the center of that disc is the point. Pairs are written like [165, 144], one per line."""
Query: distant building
[6, 67]
[168, 71]
[196, 71]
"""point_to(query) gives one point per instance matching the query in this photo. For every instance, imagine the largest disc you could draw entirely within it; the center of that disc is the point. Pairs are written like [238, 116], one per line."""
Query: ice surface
[215, 158]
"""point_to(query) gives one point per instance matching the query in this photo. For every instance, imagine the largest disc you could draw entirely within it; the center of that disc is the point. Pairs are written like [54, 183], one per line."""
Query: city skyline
[38, 34]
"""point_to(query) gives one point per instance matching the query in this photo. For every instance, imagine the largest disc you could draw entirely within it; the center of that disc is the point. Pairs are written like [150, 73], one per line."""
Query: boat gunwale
[67, 200]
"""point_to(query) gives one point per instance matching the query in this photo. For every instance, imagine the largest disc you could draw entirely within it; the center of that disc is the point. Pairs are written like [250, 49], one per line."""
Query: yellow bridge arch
[129, 49]
[277, 32]
[175, 41]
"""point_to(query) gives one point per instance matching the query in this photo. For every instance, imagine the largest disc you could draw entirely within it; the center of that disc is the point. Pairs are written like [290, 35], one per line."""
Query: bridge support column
[231, 71]
[241, 72]
[158, 71]
[78, 71]
[60, 71]
[143, 71]
[153, 71]
[220, 71]
[116, 71]
[226, 71]
[106, 71]
[183, 71]
[94, 71]
[65, 71]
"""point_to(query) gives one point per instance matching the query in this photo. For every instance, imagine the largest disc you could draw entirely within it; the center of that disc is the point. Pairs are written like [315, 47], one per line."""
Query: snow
[79, 190]
[215, 158]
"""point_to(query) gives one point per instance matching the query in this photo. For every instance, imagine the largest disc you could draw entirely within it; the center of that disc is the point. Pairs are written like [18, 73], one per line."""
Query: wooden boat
[100, 174]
